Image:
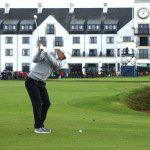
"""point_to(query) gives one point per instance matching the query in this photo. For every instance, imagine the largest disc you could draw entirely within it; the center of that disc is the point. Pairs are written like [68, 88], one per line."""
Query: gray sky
[65, 3]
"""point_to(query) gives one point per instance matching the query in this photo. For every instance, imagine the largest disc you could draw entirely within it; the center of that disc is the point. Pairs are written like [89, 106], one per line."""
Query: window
[76, 52]
[76, 40]
[77, 27]
[50, 29]
[93, 27]
[26, 27]
[91, 69]
[30, 27]
[110, 27]
[110, 52]
[9, 66]
[57, 50]
[143, 53]
[9, 28]
[9, 40]
[109, 68]
[93, 52]
[25, 52]
[93, 39]
[25, 40]
[25, 67]
[143, 28]
[144, 41]
[58, 41]
[8, 52]
[43, 41]
[110, 39]
[127, 39]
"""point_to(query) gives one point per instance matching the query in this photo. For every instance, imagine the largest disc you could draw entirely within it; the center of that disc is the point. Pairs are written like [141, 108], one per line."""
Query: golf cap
[67, 54]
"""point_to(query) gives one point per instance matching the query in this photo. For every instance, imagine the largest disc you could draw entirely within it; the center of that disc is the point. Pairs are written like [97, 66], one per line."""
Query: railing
[138, 56]
[75, 55]
[141, 43]
[50, 31]
[139, 31]
[87, 55]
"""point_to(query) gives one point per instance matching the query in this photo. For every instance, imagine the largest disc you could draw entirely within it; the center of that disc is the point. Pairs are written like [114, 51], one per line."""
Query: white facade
[146, 37]
[107, 52]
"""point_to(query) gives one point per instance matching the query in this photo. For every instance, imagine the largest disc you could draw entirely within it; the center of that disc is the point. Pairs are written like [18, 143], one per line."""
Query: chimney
[105, 8]
[71, 9]
[40, 8]
[7, 8]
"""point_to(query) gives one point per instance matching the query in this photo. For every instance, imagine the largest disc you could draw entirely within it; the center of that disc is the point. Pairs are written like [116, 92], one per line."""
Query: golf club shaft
[37, 30]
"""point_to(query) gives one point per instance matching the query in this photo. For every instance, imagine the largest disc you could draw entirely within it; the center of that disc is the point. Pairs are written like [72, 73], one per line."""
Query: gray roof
[1, 21]
[77, 21]
[27, 22]
[111, 21]
[13, 22]
[80, 16]
[94, 21]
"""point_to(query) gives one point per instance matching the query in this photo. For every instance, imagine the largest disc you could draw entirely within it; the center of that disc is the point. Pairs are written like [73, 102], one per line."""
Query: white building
[95, 37]
[142, 33]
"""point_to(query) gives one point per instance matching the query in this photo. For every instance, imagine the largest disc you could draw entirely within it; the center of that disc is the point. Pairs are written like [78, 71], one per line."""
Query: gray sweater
[45, 65]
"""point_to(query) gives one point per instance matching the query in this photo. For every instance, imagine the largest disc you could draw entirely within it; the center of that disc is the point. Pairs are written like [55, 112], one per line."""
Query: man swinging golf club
[46, 63]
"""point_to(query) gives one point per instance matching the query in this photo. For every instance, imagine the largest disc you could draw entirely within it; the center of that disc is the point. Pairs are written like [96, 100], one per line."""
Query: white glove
[43, 48]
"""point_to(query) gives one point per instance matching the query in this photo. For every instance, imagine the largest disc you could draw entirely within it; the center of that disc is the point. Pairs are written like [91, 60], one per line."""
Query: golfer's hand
[39, 49]
[42, 48]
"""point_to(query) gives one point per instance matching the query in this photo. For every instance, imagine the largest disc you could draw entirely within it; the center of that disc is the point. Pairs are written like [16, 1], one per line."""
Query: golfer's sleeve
[38, 57]
[56, 63]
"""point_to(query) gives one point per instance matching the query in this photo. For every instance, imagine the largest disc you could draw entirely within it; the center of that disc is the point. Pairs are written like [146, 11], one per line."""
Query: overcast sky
[65, 3]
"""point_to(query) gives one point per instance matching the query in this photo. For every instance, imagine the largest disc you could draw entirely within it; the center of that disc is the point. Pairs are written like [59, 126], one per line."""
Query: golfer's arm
[38, 57]
[54, 62]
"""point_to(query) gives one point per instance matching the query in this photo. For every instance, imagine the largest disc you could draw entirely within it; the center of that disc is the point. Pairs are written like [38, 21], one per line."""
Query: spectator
[62, 74]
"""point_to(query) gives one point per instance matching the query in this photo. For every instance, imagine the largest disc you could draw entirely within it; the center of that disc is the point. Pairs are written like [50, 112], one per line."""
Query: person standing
[46, 63]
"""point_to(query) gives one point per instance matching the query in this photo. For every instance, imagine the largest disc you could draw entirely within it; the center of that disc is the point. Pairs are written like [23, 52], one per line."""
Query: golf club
[35, 18]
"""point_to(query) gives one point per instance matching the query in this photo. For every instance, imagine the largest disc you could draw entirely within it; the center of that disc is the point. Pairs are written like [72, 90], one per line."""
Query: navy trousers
[40, 100]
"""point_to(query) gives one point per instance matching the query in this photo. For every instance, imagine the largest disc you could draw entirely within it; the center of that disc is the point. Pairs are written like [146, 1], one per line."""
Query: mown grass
[116, 78]
[97, 108]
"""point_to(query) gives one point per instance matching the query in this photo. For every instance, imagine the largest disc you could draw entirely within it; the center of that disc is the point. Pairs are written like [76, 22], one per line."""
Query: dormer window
[9, 28]
[77, 27]
[110, 27]
[26, 27]
[10, 25]
[93, 27]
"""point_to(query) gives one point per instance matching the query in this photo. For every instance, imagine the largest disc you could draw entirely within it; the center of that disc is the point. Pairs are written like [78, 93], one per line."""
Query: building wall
[137, 20]
[9, 59]
[102, 46]
[21, 46]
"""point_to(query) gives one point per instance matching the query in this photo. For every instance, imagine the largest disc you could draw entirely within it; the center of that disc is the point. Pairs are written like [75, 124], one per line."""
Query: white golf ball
[80, 130]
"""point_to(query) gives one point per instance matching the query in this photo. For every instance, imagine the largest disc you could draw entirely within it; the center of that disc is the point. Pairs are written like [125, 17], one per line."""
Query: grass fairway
[97, 108]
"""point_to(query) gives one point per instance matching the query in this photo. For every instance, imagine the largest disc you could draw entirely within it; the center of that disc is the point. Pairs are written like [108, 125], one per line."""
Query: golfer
[46, 63]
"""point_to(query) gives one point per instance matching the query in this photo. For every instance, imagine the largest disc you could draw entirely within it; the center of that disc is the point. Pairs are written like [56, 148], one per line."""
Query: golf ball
[80, 130]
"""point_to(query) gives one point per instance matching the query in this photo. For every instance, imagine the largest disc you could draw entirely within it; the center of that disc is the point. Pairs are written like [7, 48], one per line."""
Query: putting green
[96, 108]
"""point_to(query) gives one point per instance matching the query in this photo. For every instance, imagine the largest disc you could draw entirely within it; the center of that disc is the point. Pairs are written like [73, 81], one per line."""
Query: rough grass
[140, 99]
[97, 108]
